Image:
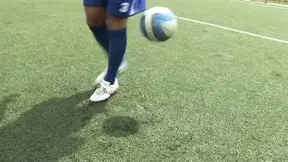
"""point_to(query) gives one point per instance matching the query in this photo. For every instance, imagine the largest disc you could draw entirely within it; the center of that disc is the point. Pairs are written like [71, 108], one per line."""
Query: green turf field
[205, 95]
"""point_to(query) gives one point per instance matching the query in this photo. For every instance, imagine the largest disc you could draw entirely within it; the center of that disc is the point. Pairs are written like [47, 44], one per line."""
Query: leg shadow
[4, 104]
[47, 131]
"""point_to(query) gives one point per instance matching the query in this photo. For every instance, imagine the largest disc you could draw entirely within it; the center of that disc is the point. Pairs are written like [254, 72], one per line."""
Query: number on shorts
[124, 7]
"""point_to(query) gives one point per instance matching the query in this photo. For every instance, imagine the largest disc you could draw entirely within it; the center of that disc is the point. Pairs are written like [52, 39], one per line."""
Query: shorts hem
[124, 16]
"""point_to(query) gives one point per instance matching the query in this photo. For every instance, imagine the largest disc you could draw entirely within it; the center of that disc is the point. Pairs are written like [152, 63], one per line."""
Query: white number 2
[124, 7]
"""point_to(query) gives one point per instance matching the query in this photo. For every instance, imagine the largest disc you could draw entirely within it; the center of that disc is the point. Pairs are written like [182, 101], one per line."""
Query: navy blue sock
[117, 48]
[100, 33]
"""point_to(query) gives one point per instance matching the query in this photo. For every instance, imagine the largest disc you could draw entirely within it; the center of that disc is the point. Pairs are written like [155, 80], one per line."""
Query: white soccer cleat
[123, 67]
[104, 91]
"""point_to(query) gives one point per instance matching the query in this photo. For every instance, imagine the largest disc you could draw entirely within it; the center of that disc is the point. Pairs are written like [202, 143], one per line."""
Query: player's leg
[117, 48]
[96, 18]
[118, 13]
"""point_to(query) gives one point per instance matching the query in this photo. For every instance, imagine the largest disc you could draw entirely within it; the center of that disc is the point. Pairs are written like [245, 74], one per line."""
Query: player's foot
[104, 91]
[123, 67]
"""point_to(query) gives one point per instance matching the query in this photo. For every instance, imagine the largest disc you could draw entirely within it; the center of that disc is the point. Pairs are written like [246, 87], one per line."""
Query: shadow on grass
[4, 105]
[121, 126]
[45, 132]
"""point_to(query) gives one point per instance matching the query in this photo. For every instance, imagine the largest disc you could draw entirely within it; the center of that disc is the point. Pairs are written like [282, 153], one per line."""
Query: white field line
[233, 30]
[274, 5]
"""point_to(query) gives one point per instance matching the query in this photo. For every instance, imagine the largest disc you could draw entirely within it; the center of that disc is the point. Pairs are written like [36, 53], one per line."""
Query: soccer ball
[158, 24]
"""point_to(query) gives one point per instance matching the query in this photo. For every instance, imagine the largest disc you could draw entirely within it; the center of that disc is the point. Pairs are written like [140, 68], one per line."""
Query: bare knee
[115, 23]
[95, 16]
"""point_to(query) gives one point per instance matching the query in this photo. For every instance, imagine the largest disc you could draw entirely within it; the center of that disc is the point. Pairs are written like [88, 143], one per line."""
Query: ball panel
[142, 27]
[157, 9]
[157, 23]
[149, 27]
[161, 26]
[170, 28]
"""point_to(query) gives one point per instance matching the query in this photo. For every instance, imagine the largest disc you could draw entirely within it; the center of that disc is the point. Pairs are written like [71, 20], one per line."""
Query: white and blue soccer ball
[158, 24]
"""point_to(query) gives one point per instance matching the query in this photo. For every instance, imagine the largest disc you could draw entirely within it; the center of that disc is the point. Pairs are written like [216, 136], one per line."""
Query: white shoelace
[103, 88]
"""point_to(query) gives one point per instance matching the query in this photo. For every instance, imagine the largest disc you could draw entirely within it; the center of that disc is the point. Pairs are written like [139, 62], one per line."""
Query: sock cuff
[98, 27]
[117, 33]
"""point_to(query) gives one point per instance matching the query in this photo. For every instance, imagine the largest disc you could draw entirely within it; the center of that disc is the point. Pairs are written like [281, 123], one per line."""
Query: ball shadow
[121, 126]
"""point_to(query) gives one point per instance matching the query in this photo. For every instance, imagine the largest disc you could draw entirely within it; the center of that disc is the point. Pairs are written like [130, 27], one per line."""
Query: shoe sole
[94, 102]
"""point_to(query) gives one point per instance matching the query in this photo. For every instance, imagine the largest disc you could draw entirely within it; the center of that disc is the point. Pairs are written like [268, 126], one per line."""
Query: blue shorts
[119, 8]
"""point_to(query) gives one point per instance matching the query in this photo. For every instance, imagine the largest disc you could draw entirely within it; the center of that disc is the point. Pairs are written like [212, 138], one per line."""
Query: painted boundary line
[279, 6]
[233, 30]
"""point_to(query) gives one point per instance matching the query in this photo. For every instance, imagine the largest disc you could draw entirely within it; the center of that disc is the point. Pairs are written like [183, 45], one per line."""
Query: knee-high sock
[100, 33]
[117, 49]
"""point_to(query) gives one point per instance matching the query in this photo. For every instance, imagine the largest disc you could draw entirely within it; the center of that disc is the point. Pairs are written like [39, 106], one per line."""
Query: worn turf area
[205, 95]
